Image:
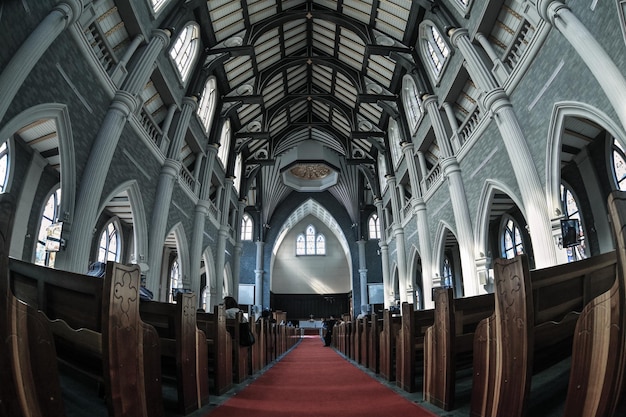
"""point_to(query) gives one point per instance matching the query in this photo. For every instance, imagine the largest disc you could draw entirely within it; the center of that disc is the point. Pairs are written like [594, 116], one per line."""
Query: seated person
[232, 308]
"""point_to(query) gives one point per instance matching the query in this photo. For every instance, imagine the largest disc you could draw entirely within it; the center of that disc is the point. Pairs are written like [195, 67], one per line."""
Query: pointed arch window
[394, 141]
[382, 171]
[185, 50]
[157, 5]
[619, 165]
[222, 153]
[310, 242]
[246, 227]
[435, 49]
[238, 174]
[176, 282]
[569, 207]
[411, 102]
[109, 248]
[206, 107]
[49, 216]
[4, 166]
[448, 276]
[373, 227]
[511, 238]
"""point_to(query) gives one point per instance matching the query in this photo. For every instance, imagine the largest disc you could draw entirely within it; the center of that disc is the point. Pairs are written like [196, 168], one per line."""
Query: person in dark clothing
[328, 336]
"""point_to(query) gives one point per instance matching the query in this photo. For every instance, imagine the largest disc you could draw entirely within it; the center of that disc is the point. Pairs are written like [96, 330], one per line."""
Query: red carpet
[315, 381]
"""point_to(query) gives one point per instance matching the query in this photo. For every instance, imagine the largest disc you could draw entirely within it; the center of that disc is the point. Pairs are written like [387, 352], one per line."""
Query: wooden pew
[240, 353]
[387, 342]
[532, 327]
[410, 348]
[98, 331]
[219, 349]
[27, 351]
[373, 360]
[599, 349]
[184, 352]
[258, 349]
[449, 342]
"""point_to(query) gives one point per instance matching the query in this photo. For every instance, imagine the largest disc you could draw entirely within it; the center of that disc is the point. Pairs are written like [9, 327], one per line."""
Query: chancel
[434, 187]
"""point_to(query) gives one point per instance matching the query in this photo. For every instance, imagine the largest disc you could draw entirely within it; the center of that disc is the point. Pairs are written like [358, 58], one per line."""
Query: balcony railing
[101, 49]
[150, 126]
[433, 176]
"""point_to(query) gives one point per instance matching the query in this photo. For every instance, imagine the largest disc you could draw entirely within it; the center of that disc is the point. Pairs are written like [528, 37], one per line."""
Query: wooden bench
[27, 351]
[532, 327]
[599, 348]
[410, 349]
[184, 353]
[98, 331]
[373, 360]
[387, 342]
[219, 349]
[240, 353]
[449, 342]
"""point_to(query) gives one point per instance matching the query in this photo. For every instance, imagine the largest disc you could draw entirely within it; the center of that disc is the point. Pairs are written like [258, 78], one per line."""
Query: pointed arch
[490, 188]
[59, 113]
[140, 224]
[417, 275]
[443, 228]
[182, 248]
[560, 112]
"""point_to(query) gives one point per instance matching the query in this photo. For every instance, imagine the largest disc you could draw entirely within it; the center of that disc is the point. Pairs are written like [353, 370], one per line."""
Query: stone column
[62, 16]
[125, 102]
[160, 213]
[497, 102]
[423, 234]
[221, 239]
[363, 276]
[453, 173]
[238, 246]
[592, 53]
[398, 233]
[201, 211]
[258, 276]
[384, 254]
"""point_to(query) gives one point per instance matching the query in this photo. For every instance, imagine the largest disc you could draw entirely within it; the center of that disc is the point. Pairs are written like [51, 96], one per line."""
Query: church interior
[442, 177]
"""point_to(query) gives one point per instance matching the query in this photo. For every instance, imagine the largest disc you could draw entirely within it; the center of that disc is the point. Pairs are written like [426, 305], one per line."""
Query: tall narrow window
[373, 227]
[109, 249]
[411, 102]
[222, 153]
[394, 141]
[238, 174]
[157, 5]
[246, 227]
[176, 282]
[382, 171]
[206, 107]
[619, 165]
[434, 48]
[185, 50]
[448, 276]
[310, 242]
[4, 166]
[50, 215]
[569, 207]
[511, 239]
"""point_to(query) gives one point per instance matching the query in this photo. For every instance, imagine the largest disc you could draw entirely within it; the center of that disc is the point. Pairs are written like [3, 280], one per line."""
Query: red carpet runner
[315, 381]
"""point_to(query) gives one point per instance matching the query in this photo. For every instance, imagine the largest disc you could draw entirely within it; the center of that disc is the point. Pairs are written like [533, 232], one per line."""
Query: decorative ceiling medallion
[310, 171]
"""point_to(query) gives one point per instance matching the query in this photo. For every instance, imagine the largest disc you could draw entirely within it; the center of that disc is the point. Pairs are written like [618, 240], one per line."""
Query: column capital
[163, 35]
[456, 33]
[191, 101]
[71, 9]
[496, 99]
[548, 9]
[430, 99]
[124, 102]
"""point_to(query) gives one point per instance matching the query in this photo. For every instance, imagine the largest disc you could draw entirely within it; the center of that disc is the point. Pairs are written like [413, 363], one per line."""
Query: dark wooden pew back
[219, 349]
[183, 348]
[410, 347]
[98, 330]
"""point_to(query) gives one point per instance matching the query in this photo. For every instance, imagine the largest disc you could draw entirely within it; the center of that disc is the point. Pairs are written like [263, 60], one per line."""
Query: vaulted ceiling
[308, 70]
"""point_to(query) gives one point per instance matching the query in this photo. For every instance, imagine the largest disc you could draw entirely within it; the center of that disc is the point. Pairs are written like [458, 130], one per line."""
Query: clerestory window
[310, 242]
[185, 50]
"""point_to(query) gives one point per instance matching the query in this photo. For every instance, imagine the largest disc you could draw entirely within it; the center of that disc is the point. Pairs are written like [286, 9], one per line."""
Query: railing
[150, 126]
[522, 40]
[433, 176]
[470, 124]
[96, 41]
[188, 178]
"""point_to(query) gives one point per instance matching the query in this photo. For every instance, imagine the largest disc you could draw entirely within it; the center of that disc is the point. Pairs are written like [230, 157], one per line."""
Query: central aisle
[313, 380]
